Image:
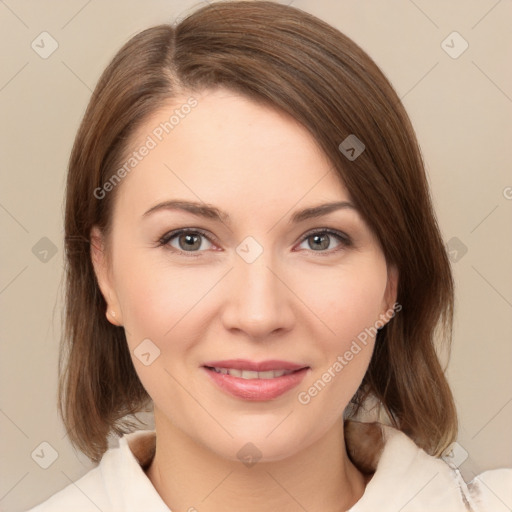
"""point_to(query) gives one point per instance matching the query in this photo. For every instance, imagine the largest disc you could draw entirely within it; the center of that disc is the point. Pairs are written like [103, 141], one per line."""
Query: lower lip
[257, 389]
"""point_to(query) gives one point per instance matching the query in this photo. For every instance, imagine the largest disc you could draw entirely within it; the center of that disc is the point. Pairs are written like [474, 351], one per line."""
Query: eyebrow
[211, 212]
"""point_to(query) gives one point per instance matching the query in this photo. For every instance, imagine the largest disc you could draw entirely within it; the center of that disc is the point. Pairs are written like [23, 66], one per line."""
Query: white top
[406, 479]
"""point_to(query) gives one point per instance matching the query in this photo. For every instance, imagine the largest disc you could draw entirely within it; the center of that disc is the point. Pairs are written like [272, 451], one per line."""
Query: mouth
[250, 374]
[255, 381]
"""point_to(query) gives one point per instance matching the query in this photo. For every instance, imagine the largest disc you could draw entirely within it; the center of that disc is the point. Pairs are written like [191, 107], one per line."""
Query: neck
[189, 476]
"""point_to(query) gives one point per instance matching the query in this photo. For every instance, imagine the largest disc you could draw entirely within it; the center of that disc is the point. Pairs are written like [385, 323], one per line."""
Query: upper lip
[262, 366]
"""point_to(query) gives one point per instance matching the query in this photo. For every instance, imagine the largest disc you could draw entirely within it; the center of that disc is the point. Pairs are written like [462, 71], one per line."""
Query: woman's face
[252, 279]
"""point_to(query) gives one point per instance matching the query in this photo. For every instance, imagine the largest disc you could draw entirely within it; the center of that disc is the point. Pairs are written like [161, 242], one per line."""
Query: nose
[258, 301]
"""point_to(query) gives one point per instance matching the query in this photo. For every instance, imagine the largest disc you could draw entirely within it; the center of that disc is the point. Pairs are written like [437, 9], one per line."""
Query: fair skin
[303, 300]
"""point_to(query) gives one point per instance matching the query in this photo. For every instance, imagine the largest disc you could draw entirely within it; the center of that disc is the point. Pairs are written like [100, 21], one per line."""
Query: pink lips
[244, 364]
[256, 389]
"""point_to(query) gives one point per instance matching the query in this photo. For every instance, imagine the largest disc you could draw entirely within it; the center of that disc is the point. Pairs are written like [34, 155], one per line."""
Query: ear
[102, 269]
[390, 295]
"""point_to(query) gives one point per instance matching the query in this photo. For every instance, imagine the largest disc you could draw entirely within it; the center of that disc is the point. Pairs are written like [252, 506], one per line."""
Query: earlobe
[101, 267]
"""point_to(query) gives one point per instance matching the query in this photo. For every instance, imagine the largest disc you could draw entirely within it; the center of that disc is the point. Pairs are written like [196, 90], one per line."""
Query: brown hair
[296, 63]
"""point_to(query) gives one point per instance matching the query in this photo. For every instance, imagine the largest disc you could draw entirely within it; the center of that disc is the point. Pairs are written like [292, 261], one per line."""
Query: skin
[295, 302]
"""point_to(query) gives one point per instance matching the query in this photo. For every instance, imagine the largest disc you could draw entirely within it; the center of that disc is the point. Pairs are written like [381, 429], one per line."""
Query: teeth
[249, 374]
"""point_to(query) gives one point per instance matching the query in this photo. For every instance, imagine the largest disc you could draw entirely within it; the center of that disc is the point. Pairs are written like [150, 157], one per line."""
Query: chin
[260, 444]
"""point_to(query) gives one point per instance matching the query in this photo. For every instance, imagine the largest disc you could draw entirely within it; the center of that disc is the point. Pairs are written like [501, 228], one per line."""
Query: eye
[189, 241]
[186, 241]
[319, 241]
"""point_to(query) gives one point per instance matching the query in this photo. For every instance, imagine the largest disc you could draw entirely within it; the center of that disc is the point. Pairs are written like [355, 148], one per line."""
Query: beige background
[461, 108]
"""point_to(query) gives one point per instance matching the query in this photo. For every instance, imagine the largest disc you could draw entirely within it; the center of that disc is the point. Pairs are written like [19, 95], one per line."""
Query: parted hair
[290, 60]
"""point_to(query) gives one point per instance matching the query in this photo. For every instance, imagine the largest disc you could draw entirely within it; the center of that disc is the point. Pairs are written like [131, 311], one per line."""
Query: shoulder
[492, 490]
[86, 494]
[406, 478]
[117, 483]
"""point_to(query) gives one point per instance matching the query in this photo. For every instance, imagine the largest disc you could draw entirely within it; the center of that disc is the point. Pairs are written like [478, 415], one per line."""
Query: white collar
[406, 479]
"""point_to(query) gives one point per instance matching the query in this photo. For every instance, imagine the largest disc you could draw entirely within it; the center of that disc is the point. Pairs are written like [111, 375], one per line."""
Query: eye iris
[321, 241]
[191, 242]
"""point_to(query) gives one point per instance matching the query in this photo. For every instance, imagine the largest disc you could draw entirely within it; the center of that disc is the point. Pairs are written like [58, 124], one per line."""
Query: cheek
[348, 311]
[347, 299]
[163, 304]
[347, 302]
[157, 298]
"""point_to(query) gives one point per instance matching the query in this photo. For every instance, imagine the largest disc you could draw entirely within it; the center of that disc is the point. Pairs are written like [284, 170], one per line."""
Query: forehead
[227, 148]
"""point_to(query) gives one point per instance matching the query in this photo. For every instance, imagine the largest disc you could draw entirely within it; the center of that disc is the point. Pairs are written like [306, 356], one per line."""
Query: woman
[253, 254]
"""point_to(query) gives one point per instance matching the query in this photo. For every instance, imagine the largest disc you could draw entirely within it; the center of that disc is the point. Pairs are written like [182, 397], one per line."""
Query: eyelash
[164, 240]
